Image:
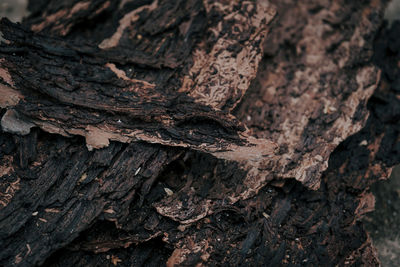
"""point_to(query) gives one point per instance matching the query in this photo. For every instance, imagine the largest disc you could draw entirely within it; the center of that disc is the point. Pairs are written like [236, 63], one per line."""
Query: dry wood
[227, 123]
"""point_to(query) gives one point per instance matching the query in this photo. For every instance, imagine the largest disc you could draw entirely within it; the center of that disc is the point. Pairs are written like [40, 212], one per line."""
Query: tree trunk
[193, 132]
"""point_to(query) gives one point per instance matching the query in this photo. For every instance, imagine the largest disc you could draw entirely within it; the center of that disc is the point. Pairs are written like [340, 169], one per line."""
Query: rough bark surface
[154, 92]
[209, 190]
[316, 78]
[183, 97]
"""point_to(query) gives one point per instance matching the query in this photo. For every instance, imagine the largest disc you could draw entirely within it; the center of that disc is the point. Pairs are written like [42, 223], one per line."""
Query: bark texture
[158, 132]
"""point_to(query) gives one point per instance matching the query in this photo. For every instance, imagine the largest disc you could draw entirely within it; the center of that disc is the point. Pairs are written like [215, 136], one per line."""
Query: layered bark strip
[169, 73]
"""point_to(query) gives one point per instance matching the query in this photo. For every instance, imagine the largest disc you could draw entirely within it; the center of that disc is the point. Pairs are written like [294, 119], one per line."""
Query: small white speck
[119, 121]
[363, 143]
[332, 109]
[168, 191]
[137, 171]
[248, 118]
[35, 213]
[319, 158]
[265, 215]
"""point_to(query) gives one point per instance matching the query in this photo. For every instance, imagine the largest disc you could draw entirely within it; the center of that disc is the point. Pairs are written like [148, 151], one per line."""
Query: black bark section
[67, 84]
[66, 189]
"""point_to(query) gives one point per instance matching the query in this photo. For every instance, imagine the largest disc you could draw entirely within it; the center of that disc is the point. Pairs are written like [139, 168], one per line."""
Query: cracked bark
[159, 132]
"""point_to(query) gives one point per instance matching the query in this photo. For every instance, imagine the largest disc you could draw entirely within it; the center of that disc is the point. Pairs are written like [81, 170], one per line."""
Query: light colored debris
[168, 191]
[137, 171]
[11, 123]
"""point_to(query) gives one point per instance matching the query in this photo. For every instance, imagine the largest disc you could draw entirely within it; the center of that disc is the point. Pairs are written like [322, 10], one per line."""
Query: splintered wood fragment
[185, 102]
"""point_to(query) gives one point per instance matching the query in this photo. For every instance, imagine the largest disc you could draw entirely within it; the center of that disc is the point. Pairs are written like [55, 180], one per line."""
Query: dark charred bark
[88, 85]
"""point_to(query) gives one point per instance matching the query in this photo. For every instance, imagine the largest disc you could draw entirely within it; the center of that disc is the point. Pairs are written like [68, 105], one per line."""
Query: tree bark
[181, 133]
